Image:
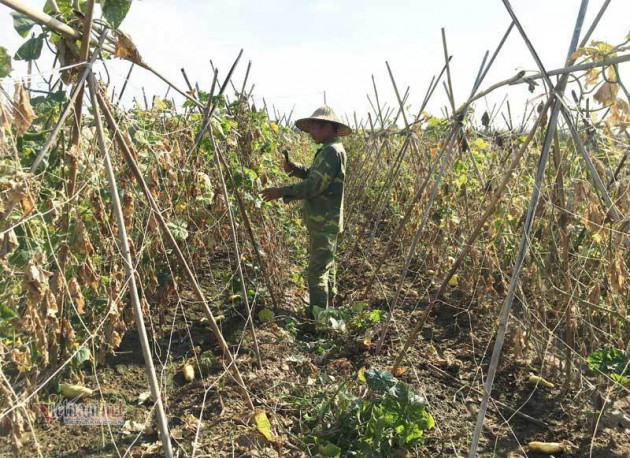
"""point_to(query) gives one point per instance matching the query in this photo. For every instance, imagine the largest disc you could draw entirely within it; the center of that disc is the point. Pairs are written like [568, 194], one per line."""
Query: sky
[299, 49]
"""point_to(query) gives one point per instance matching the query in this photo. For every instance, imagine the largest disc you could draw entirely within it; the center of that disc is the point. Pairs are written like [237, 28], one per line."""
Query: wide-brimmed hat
[323, 113]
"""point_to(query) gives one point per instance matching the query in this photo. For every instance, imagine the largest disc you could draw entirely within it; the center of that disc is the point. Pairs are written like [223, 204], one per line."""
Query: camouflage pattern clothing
[322, 192]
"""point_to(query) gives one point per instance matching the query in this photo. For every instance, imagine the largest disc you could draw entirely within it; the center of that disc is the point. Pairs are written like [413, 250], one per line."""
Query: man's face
[321, 131]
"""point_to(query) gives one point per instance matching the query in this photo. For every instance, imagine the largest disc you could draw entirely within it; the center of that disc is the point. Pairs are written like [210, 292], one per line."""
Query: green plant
[610, 362]
[391, 417]
[347, 318]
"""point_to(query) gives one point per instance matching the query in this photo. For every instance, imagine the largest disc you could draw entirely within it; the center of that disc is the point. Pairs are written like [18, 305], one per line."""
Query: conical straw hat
[323, 113]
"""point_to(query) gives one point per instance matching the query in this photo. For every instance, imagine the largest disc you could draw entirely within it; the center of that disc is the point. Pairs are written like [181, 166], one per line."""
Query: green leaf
[81, 356]
[411, 433]
[380, 381]
[208, 361]
[317, 311]
[22, 24]
[607, 361]
[6, 314]
[329, 450]
[357, 307]
[376, 315]
[178, 229]
[427, 421]
[266, 315]
[65, 8]
[5, 62]
[46, 103]
[337, 324]
[115, 11]
[31, 49]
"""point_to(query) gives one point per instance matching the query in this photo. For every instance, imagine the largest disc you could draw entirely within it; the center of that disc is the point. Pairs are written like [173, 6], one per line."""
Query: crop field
[152, 303]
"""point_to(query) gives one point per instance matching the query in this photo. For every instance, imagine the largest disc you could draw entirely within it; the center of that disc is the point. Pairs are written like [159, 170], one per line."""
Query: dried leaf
[68, 333]
[623, 106]
[22, 359]
[617, 273]
[27, 204]
[16, 192]
[132, 426]
[22, 111]
[607, 94]
[398, 371]
[49, 305]
[35, 281]
[87, 275]
[126, 49]
[5, 117]
[595, 217]
[77, 295]
[68, 53]
[9, 243]
[153, 181]
[592, 77]
[53, 210]
[82, 239]
[340, 366]
[128, 205]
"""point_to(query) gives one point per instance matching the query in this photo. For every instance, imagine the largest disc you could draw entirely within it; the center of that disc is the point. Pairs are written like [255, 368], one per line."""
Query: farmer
[321, 189]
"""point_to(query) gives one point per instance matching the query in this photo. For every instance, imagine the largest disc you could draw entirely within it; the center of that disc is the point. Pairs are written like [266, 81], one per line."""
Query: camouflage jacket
[321, 188]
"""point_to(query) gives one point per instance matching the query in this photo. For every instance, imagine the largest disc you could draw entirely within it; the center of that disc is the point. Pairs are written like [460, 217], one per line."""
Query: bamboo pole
[131, 274]
[122, 91]
[129, 158]
[582, 67]
[243, 95]
[451, 96]
[379, 113]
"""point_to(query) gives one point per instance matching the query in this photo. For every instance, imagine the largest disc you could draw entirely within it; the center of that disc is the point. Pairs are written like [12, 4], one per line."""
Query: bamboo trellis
[554, 107]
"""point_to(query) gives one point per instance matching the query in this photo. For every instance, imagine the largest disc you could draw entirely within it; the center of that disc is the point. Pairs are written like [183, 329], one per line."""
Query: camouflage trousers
[322, 269]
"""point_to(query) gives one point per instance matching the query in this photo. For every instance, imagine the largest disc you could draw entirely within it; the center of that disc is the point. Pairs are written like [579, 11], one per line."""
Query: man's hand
[287, 165]
[270, 194]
